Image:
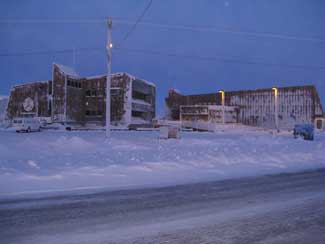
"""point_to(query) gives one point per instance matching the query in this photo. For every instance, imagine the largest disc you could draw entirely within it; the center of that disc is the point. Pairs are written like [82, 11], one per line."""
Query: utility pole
[109, 47]
[276, 108]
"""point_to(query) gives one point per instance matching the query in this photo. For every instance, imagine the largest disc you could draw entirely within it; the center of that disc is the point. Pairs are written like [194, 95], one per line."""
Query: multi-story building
[284, 106]
[3, 107]
[71, 99]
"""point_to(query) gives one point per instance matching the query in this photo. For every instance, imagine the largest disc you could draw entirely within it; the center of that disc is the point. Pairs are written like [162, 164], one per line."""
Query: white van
[26, 124]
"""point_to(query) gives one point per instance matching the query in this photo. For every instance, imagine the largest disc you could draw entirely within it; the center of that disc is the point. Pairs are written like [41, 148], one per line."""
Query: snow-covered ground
[58, 160]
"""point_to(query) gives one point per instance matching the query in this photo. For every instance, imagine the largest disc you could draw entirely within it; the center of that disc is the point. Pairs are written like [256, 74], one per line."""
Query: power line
[52, 21]
[45, 52]
[161, 26]
[136, 23]
[227, 31]
[176, 55]
[35, 53]
[220, 59]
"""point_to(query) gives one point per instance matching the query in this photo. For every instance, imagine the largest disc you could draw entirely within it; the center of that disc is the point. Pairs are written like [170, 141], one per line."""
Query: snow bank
[51, 161]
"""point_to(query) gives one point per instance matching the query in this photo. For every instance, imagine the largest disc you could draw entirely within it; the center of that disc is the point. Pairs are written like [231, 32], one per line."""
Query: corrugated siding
[257, 107]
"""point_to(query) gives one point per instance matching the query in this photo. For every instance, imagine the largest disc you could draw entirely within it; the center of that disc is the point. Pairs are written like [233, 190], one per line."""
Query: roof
[95, 77]
[67, 70]
[120, 74]
[29, 83]
[147, 82]
[252, 90]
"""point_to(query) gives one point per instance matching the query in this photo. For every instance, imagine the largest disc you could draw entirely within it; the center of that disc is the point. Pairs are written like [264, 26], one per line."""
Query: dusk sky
[287, 49]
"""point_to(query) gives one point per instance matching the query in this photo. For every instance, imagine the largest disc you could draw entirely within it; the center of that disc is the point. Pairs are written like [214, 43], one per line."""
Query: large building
[71, 99]
[300, 104]
[3, 107]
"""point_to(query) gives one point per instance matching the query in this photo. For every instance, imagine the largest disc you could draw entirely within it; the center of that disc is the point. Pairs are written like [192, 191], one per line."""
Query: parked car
[304, 130]
[26, 124]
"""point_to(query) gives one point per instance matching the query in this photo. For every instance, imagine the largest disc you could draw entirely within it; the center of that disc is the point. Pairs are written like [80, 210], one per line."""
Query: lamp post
[108, 77]
[276, 108]
[222, 92]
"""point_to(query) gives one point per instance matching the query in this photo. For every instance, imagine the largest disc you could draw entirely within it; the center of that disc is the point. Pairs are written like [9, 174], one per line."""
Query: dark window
[137, 114]
[50, 89]
[69, 82]
[93, 93]
[94, 113]
[319, 124]
[138, 95]
[115, 92]
[50, 108]
[88, 93]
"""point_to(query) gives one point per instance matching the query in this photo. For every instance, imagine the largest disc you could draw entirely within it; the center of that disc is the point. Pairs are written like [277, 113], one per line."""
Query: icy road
[287, 208]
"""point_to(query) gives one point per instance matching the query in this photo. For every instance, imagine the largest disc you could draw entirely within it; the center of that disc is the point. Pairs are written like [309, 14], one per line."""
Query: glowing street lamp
[222, 92]
[109, 77]
[276, 108]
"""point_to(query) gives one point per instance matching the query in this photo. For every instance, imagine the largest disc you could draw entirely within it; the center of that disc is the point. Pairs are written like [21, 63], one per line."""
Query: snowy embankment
[55, 161]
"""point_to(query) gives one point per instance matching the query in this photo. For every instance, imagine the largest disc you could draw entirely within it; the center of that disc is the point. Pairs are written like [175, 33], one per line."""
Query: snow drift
[51, 161]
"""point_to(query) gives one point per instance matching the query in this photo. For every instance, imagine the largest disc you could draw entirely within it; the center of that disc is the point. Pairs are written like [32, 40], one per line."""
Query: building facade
[3, 107]
[299, 104]
[206, 117]
[71, 99]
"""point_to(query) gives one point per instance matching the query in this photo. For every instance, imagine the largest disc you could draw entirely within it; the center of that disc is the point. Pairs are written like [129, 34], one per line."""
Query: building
[300, 104]
[3, 107]
[71, 99]
[205, 117]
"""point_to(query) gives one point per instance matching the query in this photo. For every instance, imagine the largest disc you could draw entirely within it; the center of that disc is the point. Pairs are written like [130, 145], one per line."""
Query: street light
[276, 112]
[109, 77]
[223, 105]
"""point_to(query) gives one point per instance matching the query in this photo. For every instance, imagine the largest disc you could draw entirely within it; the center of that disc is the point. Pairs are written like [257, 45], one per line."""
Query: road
[288, 208]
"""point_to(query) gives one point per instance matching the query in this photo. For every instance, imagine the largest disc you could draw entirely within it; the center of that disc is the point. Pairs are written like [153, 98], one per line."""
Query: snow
[60, 161]
[67, 70]
[96, 77]
[148, 82]
[29, 83]
[134, 78]
[142, 102]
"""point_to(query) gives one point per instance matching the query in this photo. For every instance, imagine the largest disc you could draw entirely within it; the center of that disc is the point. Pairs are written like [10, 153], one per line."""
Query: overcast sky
[224, 60]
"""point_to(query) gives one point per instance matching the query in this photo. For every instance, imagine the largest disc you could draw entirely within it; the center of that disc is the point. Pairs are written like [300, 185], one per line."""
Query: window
[137, 114]
[93, 93]
[88, 93]
[138, 95]
[93, 113]
[115, 92]
[50, 89]
[50, 107]
[72, 83]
